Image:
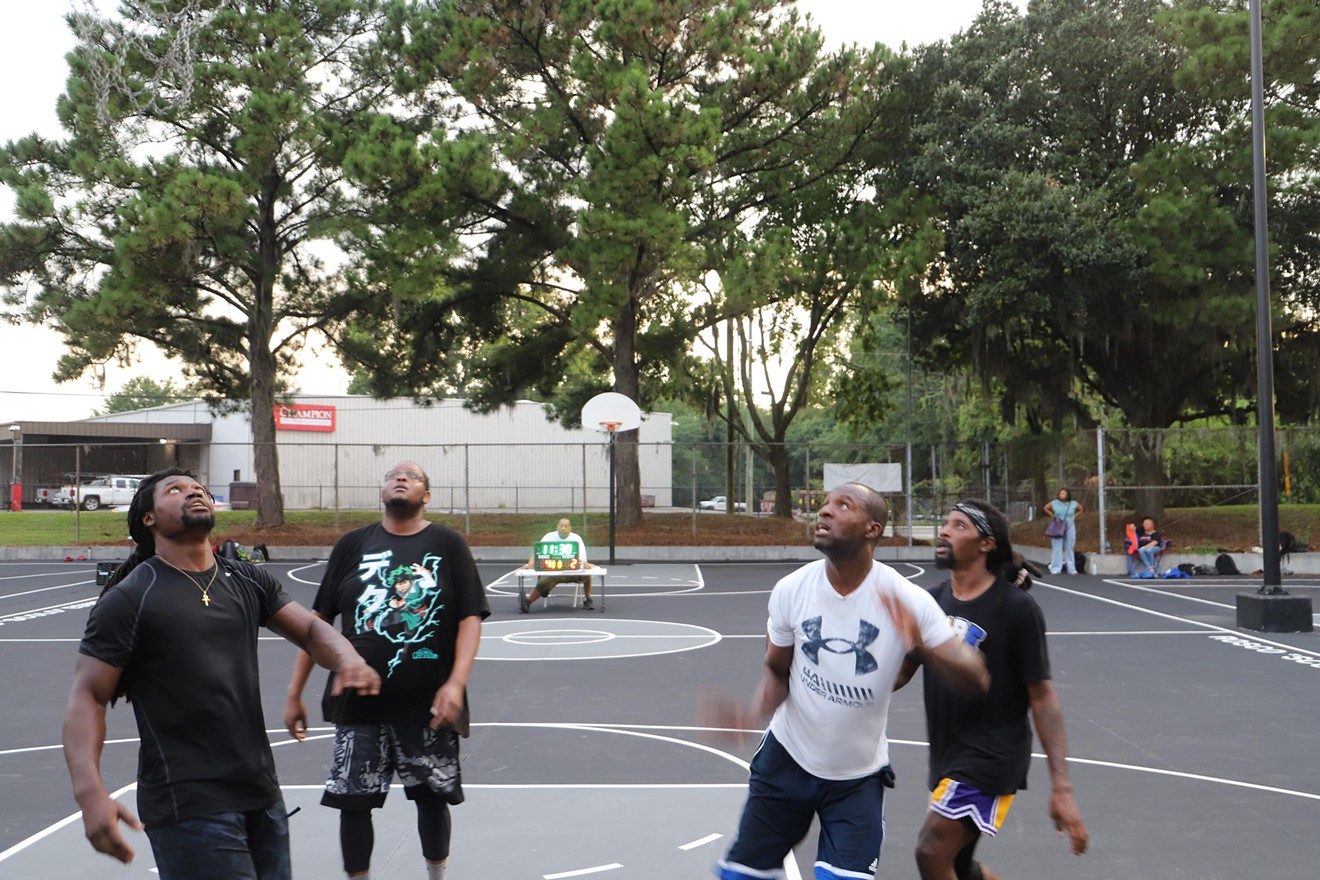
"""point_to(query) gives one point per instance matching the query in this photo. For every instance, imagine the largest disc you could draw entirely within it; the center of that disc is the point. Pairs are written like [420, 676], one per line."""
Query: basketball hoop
[610, 426]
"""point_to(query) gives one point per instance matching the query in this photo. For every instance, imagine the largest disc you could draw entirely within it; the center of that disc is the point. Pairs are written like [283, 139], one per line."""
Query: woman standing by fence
[1062, 531]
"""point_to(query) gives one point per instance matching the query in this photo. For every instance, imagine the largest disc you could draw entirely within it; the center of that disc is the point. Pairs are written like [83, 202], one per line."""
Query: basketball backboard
[611, 408]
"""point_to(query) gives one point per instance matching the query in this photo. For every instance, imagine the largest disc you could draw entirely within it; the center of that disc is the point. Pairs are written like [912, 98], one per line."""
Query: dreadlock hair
[144, 542]
[1026, 571]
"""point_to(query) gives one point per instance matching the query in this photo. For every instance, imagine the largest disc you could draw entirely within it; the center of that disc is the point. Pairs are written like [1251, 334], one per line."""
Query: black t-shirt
[986, 741]
[190, 672]
[400, 598]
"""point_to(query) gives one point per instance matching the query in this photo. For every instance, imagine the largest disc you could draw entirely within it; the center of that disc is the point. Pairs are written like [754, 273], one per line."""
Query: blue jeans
[1063, 555]
[1150, 555]
[252, 845]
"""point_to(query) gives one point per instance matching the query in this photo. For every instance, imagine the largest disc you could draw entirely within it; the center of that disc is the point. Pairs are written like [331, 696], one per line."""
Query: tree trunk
[779, 464]
[261, 363]
[628, 471]
[1148, 471]
[270, 498]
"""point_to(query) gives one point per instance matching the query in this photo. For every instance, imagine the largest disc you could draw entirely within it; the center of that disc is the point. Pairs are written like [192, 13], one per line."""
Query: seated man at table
[544, 585]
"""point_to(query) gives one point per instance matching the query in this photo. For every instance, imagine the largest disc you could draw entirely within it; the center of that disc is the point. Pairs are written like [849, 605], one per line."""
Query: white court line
[1155, 592]
[1208, 626]
[24, 616]
[636, 730]
[40, 574]
[16, 641]
[1127, 632]
[51, 562]
[701, 581]
[582, 871]
[47, 589]
[1147, 589]
[49, 830]
[293, 574]
[709, 838]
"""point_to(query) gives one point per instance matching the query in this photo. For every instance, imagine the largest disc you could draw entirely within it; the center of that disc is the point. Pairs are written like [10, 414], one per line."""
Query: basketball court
[1190, 741]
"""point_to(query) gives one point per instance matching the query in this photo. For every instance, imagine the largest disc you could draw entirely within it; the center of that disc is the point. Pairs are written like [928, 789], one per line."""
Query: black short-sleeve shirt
[399, 599]
[190, 673]
[986, 741]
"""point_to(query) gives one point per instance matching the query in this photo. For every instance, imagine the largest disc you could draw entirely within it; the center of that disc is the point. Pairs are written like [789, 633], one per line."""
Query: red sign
[304, 417]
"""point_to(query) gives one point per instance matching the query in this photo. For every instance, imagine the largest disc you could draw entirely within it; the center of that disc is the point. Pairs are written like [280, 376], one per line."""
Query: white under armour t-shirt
[846, 654]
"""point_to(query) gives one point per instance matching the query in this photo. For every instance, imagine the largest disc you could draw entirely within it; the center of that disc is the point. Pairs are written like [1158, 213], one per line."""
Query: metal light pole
[1270, 609]
[611, 428]
[16, 482]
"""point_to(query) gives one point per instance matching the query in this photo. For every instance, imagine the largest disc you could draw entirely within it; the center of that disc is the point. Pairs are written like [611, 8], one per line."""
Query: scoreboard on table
[556, 556]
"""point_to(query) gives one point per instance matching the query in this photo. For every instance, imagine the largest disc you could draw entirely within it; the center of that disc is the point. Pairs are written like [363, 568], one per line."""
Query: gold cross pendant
[206, 600]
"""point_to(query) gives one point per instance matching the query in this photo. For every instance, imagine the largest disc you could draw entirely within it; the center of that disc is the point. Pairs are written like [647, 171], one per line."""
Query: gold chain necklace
[206, 590]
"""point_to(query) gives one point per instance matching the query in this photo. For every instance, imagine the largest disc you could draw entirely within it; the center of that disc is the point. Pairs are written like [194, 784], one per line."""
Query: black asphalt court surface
[1192, 743]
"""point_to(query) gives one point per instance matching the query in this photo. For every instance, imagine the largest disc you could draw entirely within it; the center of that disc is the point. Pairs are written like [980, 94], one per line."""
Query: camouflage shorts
[368, 756]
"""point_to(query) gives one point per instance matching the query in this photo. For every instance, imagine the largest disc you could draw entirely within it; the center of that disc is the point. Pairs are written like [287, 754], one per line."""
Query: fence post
[935, 487]
[985, 467]
[806, 498]
[467, 494]
[336, 487]
[909, 486]
[77, 502]
[1100, 466]
[1008, 492]
[693, 458]
[751, 461]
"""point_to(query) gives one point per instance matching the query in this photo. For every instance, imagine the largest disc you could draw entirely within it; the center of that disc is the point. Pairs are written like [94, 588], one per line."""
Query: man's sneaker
[587, 603]
[524, 604]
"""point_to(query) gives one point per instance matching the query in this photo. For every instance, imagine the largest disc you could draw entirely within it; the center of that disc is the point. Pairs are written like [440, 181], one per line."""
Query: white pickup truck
[719, 502]
[105, 492]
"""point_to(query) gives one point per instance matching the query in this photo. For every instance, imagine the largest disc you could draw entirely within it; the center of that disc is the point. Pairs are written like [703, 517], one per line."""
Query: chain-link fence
[1124, 472]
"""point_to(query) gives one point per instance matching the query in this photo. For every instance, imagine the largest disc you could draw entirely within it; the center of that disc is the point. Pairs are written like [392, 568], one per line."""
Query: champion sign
[300, 417]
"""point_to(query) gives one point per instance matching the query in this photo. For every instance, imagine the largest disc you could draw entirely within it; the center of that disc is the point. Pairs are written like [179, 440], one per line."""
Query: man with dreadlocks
[980, 745]
[175, 632]
[408, 593]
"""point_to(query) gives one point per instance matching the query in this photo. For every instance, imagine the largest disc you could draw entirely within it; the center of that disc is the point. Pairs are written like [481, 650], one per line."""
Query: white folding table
[592, 571]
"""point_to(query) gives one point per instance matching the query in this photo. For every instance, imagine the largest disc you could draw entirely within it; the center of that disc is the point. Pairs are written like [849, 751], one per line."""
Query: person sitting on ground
[1150, 546]
[546, 584]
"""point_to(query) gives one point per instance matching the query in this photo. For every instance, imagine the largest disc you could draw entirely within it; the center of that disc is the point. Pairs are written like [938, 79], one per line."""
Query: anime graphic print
[399, 603]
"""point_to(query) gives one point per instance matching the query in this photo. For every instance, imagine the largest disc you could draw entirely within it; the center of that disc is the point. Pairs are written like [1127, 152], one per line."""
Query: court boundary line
[1209, 626]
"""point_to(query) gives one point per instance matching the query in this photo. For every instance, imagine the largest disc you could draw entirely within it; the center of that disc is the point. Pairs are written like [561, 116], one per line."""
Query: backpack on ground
[1288, 544]
[1079, 562]
[1224, 564]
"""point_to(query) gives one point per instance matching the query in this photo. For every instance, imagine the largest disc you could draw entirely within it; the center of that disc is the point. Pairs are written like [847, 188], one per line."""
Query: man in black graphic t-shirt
[409, 599]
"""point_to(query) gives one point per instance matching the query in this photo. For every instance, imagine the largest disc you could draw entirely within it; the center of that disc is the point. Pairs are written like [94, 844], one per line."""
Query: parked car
[720, 502]
[105, 492]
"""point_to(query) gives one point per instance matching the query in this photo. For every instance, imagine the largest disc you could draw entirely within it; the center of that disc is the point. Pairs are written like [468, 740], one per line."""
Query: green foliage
[142, 392]
[1092, 250]
[191, 205]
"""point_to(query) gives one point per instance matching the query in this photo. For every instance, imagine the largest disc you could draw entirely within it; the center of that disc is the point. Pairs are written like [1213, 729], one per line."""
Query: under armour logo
[866, 634]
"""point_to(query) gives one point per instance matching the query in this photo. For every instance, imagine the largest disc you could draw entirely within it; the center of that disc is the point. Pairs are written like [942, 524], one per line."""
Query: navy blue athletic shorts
[782, 798]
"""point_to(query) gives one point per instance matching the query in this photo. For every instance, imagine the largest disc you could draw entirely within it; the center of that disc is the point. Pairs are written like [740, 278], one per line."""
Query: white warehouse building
[334, 450]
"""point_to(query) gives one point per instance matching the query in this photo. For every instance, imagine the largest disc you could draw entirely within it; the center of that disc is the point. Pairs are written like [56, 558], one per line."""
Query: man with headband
[980, 747]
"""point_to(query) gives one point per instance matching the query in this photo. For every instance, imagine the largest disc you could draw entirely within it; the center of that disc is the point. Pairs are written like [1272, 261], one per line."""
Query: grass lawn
[1193, 530]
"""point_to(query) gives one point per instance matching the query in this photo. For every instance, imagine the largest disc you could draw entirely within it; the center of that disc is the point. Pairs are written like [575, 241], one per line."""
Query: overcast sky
[33, 42]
